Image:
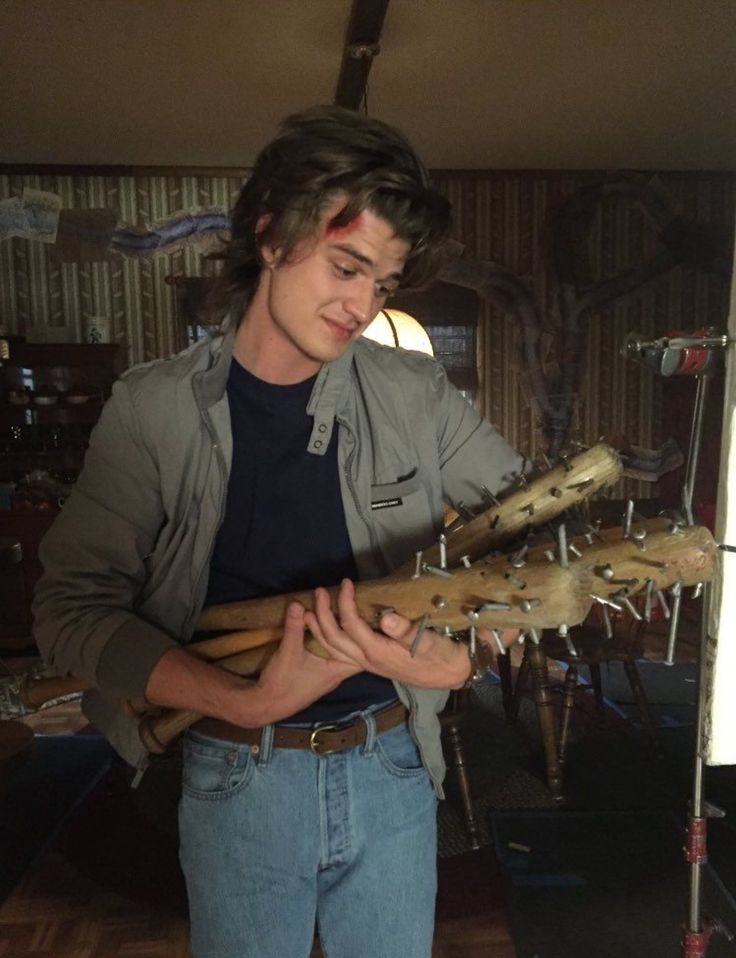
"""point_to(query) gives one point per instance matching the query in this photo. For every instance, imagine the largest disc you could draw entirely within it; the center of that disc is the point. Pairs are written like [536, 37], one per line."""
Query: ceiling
[485, 84]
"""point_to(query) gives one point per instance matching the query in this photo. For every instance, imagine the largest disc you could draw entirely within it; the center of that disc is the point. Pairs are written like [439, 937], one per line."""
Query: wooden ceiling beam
[362, 45]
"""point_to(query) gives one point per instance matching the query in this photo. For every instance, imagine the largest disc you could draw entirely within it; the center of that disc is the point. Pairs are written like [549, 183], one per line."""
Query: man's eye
[345, 271]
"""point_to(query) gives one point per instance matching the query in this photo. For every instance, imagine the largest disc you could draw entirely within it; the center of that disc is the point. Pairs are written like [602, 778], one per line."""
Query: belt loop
[263, 757]
[370, 732]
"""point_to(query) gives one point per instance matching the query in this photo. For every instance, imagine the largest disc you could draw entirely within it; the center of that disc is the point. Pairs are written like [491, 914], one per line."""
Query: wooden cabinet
[51, 395]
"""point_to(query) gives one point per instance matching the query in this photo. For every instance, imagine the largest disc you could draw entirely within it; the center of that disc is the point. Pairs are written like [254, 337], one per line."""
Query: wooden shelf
[59, 412]
[29, 441]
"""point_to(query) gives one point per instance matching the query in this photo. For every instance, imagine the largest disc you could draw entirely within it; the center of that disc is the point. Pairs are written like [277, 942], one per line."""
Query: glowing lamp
[391, 327]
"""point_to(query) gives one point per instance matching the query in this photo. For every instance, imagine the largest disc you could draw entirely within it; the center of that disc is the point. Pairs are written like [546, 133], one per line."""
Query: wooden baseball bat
[538, 501]
[540, 594]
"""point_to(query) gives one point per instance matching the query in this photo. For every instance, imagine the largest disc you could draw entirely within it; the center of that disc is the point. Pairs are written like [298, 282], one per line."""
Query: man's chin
[327, 353]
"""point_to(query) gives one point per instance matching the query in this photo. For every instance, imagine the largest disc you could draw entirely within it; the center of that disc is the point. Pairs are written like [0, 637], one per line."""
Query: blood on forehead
[346, 229]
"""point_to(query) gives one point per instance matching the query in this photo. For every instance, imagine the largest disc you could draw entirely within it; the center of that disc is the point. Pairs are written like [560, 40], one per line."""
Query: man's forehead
[344, 230]
[363, 218]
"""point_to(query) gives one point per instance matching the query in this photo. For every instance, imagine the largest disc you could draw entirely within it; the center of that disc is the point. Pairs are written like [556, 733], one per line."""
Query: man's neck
[267, 353]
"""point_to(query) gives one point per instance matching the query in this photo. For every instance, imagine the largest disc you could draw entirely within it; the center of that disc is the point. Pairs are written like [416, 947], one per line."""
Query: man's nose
[361, 305]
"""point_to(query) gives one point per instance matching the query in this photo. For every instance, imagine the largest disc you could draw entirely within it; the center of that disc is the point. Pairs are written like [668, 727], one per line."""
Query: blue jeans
[274, 840]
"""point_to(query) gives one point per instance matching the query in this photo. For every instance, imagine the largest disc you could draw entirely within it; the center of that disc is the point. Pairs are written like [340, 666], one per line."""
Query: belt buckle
[314, 744]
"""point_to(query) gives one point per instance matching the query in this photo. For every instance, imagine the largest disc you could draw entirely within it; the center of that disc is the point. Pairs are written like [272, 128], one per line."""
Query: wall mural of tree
[554, 346]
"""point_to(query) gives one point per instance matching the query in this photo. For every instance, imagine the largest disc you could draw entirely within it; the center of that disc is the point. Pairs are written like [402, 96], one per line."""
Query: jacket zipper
[223, 473]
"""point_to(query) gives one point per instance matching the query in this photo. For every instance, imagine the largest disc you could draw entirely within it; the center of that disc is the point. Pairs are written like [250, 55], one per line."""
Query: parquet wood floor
[56, 912]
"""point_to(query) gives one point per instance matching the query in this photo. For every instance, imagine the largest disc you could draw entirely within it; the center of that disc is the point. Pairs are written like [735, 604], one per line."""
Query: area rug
[599, 884]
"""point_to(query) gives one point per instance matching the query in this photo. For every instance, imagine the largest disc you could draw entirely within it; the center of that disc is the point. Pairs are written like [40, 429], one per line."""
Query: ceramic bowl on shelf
[45, 399]
[76, 399]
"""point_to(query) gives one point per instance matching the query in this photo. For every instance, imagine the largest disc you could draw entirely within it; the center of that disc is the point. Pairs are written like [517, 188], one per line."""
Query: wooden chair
[451, 721]
[593, 648]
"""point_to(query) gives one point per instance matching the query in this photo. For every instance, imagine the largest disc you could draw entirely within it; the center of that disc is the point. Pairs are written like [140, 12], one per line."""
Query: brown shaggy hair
[317, 154]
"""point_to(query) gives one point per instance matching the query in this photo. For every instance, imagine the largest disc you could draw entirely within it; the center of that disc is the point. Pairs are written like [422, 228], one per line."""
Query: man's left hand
[437, 662]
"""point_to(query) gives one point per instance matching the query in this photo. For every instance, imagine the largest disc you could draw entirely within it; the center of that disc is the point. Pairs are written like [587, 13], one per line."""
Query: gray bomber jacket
[126, 561]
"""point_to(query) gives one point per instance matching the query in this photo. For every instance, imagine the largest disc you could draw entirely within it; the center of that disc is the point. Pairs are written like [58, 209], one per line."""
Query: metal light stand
[694, 355]
[696, 435]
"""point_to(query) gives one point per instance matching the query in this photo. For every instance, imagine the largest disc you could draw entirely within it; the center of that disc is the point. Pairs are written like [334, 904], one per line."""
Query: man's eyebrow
[361, 258]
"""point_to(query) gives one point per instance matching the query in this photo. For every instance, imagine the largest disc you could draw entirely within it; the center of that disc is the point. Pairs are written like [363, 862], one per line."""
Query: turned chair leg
[545, 716]
[452, 728]
[568, 704]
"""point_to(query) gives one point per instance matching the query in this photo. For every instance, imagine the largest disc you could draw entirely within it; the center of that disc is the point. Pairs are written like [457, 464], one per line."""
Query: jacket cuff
[129, 657]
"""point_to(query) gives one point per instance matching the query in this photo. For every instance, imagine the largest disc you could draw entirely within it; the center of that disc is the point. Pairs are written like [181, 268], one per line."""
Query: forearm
[292, 680]
[180, 680]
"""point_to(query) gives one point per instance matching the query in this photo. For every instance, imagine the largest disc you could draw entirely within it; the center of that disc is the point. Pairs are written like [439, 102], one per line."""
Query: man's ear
[262, 222]
[269, 255]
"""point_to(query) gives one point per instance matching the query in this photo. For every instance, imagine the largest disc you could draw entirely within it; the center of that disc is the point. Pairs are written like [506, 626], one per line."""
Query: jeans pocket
[399, 754]
[214, 772]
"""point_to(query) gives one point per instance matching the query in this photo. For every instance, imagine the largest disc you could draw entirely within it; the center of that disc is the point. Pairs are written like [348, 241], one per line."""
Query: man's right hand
[294, 677]
[292, 680]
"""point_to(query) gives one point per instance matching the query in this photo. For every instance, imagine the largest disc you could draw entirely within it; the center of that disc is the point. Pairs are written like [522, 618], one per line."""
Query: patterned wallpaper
[498, 216]
[44, 299]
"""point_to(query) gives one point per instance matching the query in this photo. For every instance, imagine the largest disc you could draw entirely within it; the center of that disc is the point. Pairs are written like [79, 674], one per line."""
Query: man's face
[331, 286]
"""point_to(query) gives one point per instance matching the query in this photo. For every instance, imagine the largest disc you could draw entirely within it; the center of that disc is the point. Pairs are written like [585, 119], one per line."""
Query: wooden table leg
[640, 698]
[521, 677]
[507, 691]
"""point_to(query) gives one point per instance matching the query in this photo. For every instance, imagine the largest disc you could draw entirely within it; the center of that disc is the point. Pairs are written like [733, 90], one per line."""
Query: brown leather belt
[322, 739]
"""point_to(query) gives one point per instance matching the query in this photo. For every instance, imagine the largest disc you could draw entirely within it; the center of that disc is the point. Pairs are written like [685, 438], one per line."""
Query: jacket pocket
[402, 519]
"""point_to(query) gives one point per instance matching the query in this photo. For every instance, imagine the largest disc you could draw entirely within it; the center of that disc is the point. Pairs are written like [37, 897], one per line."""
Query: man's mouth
[339, 330]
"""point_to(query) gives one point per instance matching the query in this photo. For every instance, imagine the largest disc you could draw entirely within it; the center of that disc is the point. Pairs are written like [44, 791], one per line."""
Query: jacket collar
[324, 402]
[210, 383]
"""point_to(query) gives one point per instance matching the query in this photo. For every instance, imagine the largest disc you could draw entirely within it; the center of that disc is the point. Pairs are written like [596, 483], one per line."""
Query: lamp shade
[391, 327]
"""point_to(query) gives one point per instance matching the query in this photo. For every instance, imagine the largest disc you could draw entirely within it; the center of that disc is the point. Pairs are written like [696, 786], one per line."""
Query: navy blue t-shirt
[284, 527]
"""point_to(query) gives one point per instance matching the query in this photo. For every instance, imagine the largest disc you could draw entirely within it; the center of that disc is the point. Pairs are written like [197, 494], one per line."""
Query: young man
[283, 453]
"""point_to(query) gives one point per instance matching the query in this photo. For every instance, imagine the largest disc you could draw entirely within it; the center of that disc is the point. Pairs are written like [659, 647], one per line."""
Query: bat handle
[158, 731]
[36, 692]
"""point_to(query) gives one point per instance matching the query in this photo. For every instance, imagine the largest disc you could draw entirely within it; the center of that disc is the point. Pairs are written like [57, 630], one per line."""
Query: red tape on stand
[696, 851]
[695, 943]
